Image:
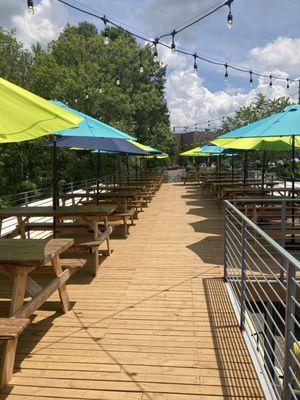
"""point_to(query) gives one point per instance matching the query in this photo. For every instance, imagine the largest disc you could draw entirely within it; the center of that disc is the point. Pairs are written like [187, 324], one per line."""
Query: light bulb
[155, 58]
[141, 69]
[30, 7]
[87, 96]
[118, 82]
[106, 40]
[100, 90]
[229, 20]
[251, 78]
[76, 100]
[173, 46]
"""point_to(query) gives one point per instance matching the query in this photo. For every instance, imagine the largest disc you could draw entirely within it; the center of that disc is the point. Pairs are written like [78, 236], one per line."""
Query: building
[187, 140]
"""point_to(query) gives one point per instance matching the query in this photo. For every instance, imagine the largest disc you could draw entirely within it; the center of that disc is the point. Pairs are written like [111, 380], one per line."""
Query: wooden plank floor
[156, 324]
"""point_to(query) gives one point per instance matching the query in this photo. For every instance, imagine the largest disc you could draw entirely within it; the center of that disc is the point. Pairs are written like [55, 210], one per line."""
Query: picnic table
[219, 187]
[18, 258]
[90, 215]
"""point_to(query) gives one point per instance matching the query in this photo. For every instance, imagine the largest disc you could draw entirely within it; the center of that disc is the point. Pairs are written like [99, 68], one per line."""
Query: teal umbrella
[91, 126]
[285, 124]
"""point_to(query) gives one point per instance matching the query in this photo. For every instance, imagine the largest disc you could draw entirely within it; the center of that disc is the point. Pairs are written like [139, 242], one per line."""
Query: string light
[271, 82]
[173, 46]
[118, 82]
[30, 7]
[230, 16]
[287, 83]
[251, 78]
[106, 38]
[100, 90]
[195, 63]
[155, 53]
[141, 66]
[226, 76]
[174, 32]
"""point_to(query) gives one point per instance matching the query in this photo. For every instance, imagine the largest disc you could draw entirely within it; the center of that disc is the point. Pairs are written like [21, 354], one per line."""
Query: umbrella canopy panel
[102, 144]
[91, 127]
[26, 116]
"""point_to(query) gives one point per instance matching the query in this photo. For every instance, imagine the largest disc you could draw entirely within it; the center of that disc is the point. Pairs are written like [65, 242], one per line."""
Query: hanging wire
[173, 46]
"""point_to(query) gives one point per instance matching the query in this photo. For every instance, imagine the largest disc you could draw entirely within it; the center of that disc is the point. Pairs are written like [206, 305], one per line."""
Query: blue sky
[265, 37]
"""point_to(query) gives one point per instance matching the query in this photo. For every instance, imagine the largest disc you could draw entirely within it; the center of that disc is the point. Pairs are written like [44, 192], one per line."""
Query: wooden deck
[156, 324]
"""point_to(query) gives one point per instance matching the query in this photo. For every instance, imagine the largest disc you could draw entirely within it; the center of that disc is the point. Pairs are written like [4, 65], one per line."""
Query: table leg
[21, 227]
[62, 290]
[10, 346]
[108, 238]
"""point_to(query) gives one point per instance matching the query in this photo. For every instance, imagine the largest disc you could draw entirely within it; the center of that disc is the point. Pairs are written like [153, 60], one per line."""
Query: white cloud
[282, 54]
[47, 22]
[190, 101]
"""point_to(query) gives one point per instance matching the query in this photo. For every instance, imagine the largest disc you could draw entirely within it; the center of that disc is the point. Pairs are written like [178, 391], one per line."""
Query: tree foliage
[80, 70]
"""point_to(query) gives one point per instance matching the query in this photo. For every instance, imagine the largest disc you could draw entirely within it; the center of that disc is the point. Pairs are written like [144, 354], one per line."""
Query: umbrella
[99, 143]
[91, 126]
[283, 126]
[88, 128]
[26, 116]
[145, 147]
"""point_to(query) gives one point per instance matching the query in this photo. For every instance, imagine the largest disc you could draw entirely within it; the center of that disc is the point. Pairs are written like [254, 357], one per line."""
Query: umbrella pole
[293, 183]
[263, 170]
[293, 166]
[136, 167]
[232, 169]
[245, 168]
[98, 175]
[54, 177]
[127, 168]
[114, 171]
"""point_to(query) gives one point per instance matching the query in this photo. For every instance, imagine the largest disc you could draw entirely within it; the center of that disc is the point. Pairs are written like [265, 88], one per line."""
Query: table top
[114, 194]
[61, 211]
[254, 189]
[31, 252]
[248, 183]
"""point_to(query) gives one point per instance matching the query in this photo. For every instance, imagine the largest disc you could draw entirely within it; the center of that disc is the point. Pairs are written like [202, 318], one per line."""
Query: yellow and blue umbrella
[26, 116]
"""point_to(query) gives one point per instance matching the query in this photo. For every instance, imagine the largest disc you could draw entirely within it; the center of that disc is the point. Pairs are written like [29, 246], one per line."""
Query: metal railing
[43, 197]
[32, 196]
[263, 280]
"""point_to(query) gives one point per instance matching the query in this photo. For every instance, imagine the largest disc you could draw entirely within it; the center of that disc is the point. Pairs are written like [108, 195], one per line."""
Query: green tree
[79, 69]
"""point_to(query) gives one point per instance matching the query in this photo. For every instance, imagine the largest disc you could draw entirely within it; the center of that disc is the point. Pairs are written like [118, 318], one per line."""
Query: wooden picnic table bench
[18, 258]
[94, 217]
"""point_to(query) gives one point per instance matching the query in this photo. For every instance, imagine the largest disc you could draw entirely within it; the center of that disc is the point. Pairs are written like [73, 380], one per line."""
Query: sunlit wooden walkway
[156, 324]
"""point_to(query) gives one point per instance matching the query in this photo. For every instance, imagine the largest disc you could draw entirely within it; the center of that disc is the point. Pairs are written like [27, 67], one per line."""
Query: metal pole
[98, 175]
[291, 294]
[293, 166]
[232, 169]
[54, 177]
[225, 241]
[263, 170]
[136, 167]
[114, 171]
[245, 167]
[127, 168]
[243, 276]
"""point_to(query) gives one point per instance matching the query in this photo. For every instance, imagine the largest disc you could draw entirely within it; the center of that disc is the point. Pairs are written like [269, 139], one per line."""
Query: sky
[265, 37]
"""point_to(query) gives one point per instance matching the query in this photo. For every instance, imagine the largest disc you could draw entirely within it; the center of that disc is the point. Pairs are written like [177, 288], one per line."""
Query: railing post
[72, 188]
[26, 199]
[243, 275]
[282, 236]
[291, 288]
[225, 241]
